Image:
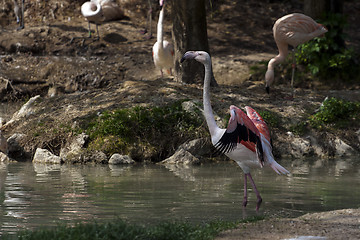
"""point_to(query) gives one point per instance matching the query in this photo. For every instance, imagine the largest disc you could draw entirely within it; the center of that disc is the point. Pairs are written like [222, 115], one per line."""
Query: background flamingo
[246, 139]
[100, 11]
[19, 14]
[293, 29]
[163, 50]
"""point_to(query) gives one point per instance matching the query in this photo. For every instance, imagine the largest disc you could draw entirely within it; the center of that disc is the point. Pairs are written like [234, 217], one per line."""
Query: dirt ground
[77, 77]
[339, 224]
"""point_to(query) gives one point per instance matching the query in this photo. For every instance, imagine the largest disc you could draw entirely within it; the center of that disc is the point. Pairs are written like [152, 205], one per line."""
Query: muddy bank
[339, 224]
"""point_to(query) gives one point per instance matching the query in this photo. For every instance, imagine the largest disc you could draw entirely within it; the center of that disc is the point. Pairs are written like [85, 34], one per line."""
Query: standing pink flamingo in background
[293, 29]
[246, 139]
[100, 11]
[163, 50]
[19, 14]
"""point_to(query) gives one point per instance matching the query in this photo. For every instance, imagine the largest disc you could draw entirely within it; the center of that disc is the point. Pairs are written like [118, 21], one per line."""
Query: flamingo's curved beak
[267, 89]
[188, 55]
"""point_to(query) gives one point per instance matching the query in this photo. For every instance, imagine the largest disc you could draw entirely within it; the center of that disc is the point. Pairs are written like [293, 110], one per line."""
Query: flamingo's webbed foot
[258, 203]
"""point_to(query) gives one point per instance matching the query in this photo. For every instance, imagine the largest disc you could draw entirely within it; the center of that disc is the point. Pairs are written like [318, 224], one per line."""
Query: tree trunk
[317, 8]
[189, 33]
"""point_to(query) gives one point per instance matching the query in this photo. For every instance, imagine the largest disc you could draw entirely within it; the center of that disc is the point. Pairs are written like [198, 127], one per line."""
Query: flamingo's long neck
[208, 112]
[283, 52]
[160, 27]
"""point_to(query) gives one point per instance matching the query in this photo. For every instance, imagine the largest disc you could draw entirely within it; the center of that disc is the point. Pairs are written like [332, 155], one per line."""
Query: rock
[26, 110]
[116, 159]
[190, 152]
[15, 150]
[300, 147]
[197, 147]
[45, 156]
[3, 144]
[181, 156]
[96, 157]
[74, 148]
[4, 157]
[2, 121]
[342, 149]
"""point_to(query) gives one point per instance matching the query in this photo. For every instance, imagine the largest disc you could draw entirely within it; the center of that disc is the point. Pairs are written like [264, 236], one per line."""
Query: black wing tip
[260, 151]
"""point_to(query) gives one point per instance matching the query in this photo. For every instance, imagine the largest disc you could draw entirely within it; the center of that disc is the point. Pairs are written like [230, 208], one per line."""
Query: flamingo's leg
[89, 30]
[245, 190]
[293, 65]
[97, 30]
[22, 16]
[259, 199]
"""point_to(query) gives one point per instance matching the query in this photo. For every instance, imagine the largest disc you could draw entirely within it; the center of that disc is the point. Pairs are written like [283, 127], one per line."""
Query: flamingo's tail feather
[278, 168]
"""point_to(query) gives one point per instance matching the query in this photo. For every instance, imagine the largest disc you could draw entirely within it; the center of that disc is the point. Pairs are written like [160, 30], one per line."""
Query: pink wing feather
[241, 130]
[258, 122]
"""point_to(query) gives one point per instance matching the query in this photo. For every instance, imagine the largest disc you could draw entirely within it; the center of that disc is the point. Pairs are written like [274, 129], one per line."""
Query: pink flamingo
[163, 50]
[100, 11]
[246, 140]
[293, 29]
[19, 14]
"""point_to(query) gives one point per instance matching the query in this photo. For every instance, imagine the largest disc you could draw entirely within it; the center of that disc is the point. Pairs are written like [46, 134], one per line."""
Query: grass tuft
[120, 229]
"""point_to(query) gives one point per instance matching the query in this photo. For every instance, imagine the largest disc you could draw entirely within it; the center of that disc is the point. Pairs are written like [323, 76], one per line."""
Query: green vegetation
[119, 229]
[299, 128]
[333, 114]
[327, 57]
[151, 131]
[337, 113]
[271, 118]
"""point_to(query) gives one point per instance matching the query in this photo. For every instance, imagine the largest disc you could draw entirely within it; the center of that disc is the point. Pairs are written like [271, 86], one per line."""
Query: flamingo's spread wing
[241, 130]
[258, 122]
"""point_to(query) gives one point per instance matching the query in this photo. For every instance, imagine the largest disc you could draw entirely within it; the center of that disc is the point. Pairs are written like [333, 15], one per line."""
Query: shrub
[151, 129]
[336, 112]
[327, 57]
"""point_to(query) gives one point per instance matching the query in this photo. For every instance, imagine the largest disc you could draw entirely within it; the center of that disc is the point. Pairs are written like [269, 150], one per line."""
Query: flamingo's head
[200, 56]
[90, 9]
[161, 3]
[323, 29]
[269, 79]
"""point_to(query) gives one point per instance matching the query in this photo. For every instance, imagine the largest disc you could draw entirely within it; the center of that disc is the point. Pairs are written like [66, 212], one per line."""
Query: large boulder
[74, 148]
[15, 150]
[25, 111]
[181, 156]
[45, 156]
[190, 152]
[117, 159]
[4, 157]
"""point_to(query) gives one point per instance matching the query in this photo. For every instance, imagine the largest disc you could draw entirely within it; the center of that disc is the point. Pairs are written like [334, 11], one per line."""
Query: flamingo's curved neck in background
[283, 52]
[160, 28]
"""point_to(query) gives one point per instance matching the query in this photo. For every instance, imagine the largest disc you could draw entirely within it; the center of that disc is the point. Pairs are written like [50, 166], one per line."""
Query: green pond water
[33, 195]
